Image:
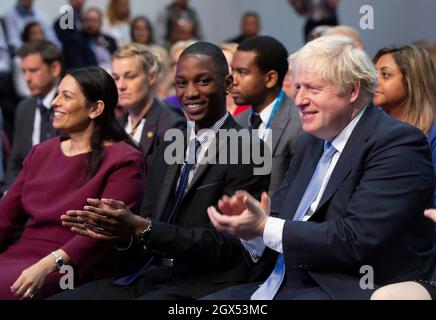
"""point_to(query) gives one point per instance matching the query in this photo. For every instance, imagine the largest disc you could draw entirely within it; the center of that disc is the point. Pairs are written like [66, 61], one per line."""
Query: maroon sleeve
[12, 214]
[125, 183]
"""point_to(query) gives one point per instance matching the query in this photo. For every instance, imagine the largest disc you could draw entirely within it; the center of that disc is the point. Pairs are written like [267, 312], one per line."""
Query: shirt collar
[205, 136]
[265, 114]
[341, 140]
[46, 101]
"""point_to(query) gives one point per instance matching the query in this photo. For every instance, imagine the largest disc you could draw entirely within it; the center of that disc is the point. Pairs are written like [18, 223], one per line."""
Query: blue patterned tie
[170, 210]
[271, 286]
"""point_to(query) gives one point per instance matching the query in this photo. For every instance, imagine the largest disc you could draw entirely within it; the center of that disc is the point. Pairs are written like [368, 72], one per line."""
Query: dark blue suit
[371, 213]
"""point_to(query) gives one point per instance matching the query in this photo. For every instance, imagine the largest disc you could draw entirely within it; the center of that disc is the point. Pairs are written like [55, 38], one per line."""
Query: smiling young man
[353, 196]
[191, 258]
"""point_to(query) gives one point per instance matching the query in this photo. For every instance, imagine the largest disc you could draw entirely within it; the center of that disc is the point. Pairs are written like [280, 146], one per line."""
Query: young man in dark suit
[191, 258]
[350, 207]
[42, 67]
[258, 67]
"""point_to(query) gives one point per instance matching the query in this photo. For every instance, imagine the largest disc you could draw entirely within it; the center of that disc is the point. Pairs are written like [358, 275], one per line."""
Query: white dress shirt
[272, 235]
[46, 101]
[136, 135]
[265, 114]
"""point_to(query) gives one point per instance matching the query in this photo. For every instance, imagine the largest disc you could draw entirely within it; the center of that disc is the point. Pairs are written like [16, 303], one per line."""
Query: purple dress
[49, 185]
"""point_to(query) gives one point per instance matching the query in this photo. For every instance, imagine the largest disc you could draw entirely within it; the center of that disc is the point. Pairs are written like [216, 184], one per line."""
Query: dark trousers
[244, 292]
[297, 285]
[157, 283]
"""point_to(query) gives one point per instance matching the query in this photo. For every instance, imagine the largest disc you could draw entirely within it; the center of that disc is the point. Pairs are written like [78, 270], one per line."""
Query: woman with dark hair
[141, 31]
[33, 31]
[406, 89]
[94, 159]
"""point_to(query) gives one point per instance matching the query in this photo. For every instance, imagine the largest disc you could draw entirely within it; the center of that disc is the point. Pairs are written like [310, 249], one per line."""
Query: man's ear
[271, 79]
[355, 91]
[228, 83]
[96, 109]
[55, 69]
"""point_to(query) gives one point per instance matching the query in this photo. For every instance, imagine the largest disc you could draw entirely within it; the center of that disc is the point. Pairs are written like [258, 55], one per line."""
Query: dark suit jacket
[371, 212]
[286, 128]
[22, 139]
[205, 260]
[78, 53]
[158, 120]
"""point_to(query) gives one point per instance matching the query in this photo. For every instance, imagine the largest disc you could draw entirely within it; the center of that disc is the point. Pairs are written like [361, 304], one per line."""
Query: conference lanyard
[273, 112]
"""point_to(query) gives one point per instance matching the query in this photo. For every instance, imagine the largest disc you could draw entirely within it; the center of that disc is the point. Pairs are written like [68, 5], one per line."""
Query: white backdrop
[396, 21]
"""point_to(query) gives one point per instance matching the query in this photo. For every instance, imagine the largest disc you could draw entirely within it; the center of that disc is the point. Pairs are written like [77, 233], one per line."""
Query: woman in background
[141, 31]
[117, 22]
[407, 89]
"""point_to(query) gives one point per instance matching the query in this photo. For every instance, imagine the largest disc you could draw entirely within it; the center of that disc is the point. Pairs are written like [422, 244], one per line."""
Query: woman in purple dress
[95, 159]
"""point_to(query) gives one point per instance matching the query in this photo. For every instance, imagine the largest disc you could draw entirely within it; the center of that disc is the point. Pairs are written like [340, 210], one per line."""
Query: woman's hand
[33, 278]
[103, 220]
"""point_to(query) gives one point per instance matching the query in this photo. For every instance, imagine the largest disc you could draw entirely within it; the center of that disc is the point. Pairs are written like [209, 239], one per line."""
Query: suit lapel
[358, 138]
[280, 121]
[30, 119]
[150, 127]
[242, 118]
[169, 180]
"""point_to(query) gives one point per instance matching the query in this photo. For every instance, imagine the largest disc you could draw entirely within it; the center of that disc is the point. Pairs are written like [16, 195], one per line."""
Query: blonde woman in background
[117, 21]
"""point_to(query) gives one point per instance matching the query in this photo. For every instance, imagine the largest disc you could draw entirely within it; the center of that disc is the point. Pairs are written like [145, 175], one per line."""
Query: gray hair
[335, 59]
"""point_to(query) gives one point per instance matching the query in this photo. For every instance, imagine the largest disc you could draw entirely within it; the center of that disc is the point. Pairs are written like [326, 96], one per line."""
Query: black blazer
[158, 120]
[371, 212]
[77, 51]
[205, 260]
[22, 138]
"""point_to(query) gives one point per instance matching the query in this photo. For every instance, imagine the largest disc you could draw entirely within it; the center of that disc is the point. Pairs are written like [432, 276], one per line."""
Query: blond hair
[419, 81]
[148, 60]
[229, 46]
[111, 14]
[336, 60]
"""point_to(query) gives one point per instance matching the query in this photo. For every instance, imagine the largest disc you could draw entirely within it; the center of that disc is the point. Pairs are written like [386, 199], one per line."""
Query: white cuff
[272, 234]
